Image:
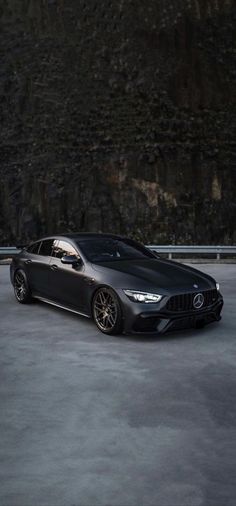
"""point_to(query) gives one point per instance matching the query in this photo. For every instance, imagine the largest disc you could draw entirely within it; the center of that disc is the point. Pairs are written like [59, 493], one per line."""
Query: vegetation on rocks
[118, 117]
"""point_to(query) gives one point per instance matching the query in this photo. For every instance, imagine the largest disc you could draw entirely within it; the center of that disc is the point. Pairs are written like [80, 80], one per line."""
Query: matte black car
[118, 282]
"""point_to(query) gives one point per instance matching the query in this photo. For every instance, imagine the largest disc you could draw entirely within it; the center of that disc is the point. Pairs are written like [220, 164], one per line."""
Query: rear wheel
[107, 312]
[21, 287]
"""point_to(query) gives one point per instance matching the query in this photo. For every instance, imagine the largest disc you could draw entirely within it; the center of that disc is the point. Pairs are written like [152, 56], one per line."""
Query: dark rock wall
[118, 116]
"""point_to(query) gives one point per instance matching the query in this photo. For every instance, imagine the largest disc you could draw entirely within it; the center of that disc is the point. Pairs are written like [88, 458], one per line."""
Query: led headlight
[137, 296]
[217, 286]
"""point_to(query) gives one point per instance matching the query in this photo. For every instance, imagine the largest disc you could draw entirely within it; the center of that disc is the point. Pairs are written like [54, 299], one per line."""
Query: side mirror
[71, 260]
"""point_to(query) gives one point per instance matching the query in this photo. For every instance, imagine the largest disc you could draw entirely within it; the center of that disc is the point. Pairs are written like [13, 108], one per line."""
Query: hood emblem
[198, 301]
[195, 286]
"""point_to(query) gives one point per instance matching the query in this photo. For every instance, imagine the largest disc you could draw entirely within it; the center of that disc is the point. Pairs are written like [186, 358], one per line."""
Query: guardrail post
[170, 256]
[218, 256]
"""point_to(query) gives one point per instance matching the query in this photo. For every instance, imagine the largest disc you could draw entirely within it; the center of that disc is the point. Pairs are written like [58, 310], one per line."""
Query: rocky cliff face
[118, 116]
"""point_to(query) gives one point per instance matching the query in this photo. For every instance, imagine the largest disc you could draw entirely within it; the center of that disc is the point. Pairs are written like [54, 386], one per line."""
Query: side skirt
[60, 306]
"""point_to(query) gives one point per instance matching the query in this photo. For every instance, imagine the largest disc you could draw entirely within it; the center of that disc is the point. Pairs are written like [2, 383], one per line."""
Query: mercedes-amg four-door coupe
[118, 282]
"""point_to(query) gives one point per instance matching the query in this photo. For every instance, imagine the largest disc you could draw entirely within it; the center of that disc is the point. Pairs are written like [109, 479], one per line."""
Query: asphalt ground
[92, 420]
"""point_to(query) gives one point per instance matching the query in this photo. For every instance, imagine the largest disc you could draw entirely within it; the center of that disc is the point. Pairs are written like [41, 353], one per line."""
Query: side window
[46, 247]
[63, 248]
[34, 248]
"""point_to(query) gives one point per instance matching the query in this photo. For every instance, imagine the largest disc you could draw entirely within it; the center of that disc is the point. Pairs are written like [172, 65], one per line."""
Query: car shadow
[60, 310]
[131, 337]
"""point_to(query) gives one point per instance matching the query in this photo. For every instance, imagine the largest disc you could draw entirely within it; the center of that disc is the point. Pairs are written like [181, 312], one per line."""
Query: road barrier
[170, 250]
[193, 250]
[9, 252]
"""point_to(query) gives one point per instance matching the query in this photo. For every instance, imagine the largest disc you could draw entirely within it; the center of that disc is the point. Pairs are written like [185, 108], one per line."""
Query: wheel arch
[121, 309]
[28, 297]
[96, 289]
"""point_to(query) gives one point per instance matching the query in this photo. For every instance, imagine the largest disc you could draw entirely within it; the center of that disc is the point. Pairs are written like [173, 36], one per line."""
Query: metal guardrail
[196, 250]
[9, 251]
[170, 250]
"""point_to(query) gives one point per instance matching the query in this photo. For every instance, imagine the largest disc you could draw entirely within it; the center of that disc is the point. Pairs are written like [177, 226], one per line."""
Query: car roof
[87, 235]
[80, 235]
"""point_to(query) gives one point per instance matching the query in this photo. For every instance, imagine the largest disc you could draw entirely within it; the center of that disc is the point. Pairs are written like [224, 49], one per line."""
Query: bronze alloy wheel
[107, 311]
[21, 288]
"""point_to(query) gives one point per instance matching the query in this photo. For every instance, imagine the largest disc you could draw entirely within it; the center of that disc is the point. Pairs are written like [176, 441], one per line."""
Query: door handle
[28, 261]
[53, 267]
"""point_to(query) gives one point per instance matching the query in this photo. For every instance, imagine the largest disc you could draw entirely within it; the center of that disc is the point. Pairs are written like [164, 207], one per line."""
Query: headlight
[136, 296]
[217, 286]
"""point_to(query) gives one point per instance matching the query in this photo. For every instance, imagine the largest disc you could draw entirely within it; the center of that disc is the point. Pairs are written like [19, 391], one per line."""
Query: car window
[46, 247]
[109, 249]
[63, 248]
[34, 248]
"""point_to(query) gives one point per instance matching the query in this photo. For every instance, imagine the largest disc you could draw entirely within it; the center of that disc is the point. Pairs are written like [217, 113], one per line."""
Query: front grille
[184, 301]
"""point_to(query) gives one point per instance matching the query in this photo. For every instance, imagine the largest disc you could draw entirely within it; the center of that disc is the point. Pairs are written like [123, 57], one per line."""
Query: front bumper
[155, 319]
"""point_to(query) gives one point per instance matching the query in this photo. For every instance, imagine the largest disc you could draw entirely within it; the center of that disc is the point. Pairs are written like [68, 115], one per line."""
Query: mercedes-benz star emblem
[198, 301]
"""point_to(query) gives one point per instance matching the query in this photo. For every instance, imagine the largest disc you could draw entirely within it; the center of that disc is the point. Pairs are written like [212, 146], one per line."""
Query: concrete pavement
[91, 420]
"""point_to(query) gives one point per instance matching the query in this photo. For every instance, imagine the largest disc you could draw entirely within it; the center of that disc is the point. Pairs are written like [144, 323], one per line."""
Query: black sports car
[118, 282]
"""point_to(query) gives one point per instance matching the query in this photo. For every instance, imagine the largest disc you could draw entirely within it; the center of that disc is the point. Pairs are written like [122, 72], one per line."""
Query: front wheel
[107, 311]
[21, 287]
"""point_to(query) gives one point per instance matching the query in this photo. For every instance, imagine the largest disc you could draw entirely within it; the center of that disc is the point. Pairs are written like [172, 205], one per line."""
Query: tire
[107, 312]
[21, 287]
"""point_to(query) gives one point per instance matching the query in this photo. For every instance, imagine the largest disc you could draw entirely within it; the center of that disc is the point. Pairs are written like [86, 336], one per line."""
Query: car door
[67, 282]
[38, 267]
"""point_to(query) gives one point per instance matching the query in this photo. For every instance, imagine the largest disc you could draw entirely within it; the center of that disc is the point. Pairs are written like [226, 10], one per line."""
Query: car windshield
[108, 249]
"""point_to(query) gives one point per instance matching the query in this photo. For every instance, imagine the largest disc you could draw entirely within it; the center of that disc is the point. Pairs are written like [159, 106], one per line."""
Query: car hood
[153, 273]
